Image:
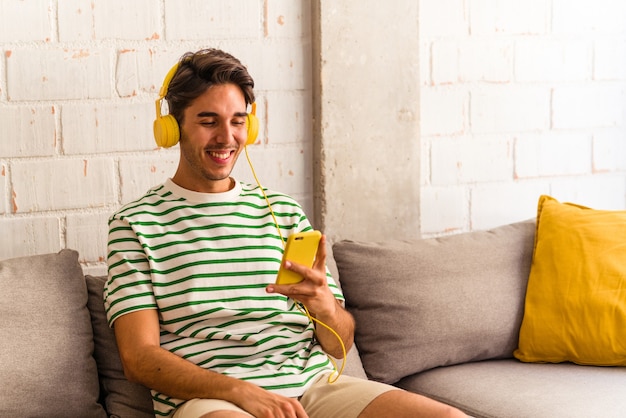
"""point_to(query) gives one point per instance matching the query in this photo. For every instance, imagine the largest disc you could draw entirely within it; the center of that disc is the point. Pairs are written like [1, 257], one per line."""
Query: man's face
[213, 134]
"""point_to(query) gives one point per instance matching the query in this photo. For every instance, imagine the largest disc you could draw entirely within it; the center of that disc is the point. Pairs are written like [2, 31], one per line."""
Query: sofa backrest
[421, 304]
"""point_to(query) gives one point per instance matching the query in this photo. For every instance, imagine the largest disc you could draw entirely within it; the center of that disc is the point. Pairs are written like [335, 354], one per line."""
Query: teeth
[220, 155]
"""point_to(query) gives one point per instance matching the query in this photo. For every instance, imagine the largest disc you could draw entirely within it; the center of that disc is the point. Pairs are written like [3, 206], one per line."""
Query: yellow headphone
[167, 131]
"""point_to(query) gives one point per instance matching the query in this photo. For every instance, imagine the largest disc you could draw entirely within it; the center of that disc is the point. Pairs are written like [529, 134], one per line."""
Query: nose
[224, 133]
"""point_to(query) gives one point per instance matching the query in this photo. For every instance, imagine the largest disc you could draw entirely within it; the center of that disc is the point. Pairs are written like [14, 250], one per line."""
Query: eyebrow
[213, 114]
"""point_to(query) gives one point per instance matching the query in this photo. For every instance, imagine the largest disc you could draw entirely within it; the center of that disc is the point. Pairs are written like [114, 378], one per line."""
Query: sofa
[443, 317]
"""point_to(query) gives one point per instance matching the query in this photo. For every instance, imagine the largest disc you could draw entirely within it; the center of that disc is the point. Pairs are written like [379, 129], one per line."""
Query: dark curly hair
[197, 71]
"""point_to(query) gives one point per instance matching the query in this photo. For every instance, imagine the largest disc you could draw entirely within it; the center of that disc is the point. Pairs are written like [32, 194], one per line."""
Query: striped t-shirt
[203, 260]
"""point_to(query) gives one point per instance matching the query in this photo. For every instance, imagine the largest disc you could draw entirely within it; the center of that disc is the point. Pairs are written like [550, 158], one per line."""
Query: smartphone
[301, 248]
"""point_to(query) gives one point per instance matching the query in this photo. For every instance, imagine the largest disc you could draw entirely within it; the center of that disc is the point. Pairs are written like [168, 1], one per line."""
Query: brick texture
[517, 98]
[520, 98]
[78, 82]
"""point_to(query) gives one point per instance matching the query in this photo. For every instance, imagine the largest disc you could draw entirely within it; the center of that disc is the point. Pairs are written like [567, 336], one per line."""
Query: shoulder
[150, 201]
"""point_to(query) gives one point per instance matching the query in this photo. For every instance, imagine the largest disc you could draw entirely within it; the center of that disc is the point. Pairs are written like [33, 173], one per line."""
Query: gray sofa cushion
[353, 366]
[512, 389]
[420, 304]
[121, 398]
[46, 341]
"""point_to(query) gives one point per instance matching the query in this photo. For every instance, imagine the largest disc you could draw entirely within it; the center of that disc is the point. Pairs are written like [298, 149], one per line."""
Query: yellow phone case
[301, 248]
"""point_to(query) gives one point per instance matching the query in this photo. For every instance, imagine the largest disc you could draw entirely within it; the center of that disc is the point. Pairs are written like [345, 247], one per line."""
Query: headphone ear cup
[166, 132]
[253, 128]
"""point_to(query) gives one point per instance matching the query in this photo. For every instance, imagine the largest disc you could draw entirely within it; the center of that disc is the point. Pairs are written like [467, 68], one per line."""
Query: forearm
[145, 362]
[167, 373]
[342, 323]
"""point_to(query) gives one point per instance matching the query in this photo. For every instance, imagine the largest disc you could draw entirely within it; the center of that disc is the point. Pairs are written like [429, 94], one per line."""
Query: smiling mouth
[221, 155]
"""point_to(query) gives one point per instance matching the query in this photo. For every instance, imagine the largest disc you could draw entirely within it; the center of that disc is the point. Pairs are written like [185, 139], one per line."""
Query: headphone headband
[165, 127]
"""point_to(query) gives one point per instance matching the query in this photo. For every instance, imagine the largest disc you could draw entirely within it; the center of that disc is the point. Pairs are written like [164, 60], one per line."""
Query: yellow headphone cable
[335, 375]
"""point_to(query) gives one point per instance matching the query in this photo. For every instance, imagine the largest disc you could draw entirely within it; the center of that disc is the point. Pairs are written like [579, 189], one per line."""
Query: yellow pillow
[576, 297]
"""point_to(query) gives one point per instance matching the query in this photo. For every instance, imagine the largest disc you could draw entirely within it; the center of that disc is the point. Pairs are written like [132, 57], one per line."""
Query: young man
[192, 265]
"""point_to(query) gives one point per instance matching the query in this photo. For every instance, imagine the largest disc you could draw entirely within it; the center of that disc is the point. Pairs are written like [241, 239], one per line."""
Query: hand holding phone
[301, 248]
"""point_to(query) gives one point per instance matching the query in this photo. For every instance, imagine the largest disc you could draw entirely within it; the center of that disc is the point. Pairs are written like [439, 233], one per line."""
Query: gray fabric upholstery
[353, 366]
[425, 303]
[46, 340]
[120, 397]
[512, 389]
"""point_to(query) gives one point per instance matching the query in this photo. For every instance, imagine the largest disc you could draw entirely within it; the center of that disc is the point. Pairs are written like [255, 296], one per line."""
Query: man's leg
[350, 397]
[225, 414]
[400, 403]
[213, 408]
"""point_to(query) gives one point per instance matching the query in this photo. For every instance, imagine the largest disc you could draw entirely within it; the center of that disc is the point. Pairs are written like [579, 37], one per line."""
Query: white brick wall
[519, 98]
[78, 81]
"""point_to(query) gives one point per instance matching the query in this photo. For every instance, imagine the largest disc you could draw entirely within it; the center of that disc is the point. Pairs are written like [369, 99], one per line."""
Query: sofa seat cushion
[46, 340]
[421, 304]
[510, 388]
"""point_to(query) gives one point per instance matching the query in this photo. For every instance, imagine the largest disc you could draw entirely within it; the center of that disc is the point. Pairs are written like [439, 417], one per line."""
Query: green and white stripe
[203, 260]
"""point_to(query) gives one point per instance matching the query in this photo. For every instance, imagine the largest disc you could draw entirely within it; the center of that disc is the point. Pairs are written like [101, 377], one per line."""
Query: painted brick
[475, 53]
[284, 66]
[136, 20]
[497, 17]
[471, 159]
[87, 233]
[444, 62]
[62, 184]
[14, 14]
[552, 154]
[425, 166]
[289, 118]
[199, 19]
[139, 174]
[83, 20]
[143, 70]
[29, 236]
[75, 20]
[498, 204]
[4, 189]
[508, 108]
[610, 59]
[443, 210]
[287, 19]
[553, 60]
[28, 131]
[443, 110]
[103, 128]
[576, 17]
[609, 151]
[589, 105]
[443, 18]
[36, 74]
[598, 192]
[458, 67]
[425, 59]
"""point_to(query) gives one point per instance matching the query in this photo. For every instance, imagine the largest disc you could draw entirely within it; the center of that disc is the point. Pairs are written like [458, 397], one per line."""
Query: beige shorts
[345, 398]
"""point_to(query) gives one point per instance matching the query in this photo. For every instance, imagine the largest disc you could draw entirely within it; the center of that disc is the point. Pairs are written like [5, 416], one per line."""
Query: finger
[297, 268]
[320, 256]
[299, 410]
